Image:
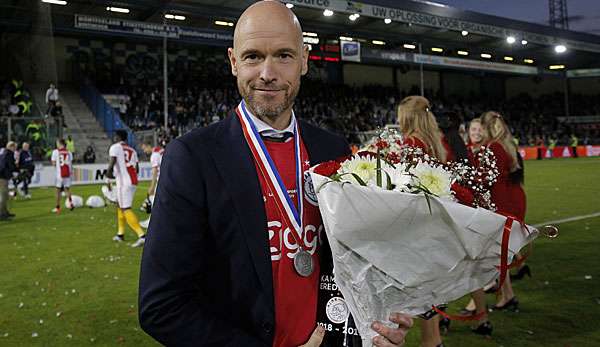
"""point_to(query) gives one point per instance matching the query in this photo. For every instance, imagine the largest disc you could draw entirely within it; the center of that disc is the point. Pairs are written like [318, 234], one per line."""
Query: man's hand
[389, 337]
[316, 338]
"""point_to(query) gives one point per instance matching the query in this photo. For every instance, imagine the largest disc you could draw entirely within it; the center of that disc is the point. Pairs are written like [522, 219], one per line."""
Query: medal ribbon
[269, 171]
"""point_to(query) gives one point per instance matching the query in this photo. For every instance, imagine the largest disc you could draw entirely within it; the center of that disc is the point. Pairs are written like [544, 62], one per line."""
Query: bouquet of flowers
[389, 164]
[400, 239]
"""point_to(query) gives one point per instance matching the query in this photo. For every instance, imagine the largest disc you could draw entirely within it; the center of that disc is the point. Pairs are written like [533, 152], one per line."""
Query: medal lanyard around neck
[271, 174]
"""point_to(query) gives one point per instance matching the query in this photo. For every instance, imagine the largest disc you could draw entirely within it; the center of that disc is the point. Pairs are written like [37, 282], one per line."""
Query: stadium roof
[431, 24]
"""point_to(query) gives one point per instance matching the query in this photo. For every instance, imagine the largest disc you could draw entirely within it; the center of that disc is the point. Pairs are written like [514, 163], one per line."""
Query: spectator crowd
[351, 110]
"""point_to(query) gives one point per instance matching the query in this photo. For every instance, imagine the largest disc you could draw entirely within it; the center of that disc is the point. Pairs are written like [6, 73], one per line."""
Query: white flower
[363, 167]
[395, 148]
[400, 177]
[436, 180]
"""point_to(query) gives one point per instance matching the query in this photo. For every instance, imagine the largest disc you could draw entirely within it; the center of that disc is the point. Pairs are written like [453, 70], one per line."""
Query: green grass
[44, 258]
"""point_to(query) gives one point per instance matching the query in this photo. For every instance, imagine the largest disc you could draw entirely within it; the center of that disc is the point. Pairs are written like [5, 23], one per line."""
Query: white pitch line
[570, 219]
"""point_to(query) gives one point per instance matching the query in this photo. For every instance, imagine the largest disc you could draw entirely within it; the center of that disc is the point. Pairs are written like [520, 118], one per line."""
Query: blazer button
[267, 327]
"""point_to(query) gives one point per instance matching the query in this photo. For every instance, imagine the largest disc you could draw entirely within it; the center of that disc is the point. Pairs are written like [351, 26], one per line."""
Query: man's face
[25, 146]
[268, 61]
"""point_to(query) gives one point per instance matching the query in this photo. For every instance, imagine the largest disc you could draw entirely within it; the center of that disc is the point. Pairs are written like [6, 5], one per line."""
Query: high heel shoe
[511, 305]
[484, 329]
[524, 270]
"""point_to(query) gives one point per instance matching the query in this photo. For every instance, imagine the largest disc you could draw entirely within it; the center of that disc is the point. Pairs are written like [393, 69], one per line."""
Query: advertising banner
[124, 26]
[529, 153]
[441, 22]
[45, 175]
[350, 51]
[474, 64]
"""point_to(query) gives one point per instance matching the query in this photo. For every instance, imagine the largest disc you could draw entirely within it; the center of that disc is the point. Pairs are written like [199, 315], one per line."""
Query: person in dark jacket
[7, 167]
[89, 157]
[450, 124]
[26, 168]
[209, 273]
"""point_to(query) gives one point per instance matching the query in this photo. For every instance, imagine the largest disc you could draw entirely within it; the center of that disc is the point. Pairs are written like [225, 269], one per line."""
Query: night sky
[584, 15]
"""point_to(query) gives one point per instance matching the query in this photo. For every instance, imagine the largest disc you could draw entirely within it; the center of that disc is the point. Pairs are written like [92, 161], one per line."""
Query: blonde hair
[495, 129]
[416, 120]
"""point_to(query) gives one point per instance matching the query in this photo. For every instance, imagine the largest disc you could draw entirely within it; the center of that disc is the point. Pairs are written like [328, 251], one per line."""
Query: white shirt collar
[265, 129]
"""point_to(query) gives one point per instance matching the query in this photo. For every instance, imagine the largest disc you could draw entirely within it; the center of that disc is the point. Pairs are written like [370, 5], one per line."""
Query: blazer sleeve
[172, 307]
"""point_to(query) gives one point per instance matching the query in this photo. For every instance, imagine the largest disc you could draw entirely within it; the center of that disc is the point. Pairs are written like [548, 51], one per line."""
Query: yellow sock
[133, 222]
[120, 222]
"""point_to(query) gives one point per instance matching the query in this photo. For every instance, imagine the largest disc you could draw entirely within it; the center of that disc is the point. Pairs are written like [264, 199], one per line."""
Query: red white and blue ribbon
[269, 170]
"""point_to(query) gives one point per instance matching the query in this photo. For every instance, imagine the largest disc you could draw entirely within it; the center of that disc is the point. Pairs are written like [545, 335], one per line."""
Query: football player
[156, 154]
[123, 168]
[62, 159]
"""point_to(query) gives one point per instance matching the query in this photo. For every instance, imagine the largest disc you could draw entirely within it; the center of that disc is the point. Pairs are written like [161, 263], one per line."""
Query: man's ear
[304, 59]
[232, 61]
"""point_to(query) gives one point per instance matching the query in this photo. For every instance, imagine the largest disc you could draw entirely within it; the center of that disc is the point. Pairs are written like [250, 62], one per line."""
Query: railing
[106, 115]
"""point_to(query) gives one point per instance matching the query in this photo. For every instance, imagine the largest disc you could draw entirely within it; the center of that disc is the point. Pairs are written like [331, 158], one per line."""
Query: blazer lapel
[316, 155]
[236, 165]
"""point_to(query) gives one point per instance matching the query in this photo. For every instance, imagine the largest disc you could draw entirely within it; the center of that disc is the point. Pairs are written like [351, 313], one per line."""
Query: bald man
[235, 247]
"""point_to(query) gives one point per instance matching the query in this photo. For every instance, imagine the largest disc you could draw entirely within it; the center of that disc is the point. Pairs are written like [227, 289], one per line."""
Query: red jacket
[509, 197]
[415, 142]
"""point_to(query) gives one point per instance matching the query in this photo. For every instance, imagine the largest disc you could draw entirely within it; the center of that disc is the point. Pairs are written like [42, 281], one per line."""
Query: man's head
[52, 85]
[268, 58]
[25, 146]
[11, 146]
[60, 143]
[120, 135]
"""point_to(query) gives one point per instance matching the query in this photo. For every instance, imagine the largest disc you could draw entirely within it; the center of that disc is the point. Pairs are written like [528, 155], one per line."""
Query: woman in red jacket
[507, 192]
[477, 305]
[419, 127]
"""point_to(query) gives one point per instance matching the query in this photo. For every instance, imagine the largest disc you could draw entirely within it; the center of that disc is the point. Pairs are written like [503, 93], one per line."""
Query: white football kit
[63, 161]
[125, 173]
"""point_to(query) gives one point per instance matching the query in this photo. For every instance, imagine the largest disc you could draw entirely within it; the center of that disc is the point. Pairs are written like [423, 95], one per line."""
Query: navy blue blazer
[206, 267]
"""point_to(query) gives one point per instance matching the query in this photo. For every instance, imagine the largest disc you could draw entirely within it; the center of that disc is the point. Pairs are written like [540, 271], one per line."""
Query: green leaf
[428, 203]
[358, 179]
[390, 186]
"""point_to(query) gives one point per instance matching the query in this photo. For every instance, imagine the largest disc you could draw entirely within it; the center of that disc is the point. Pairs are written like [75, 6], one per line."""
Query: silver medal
[303, 263]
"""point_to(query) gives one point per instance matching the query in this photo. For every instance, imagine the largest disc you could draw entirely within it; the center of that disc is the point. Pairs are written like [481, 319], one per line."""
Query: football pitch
[64, 282]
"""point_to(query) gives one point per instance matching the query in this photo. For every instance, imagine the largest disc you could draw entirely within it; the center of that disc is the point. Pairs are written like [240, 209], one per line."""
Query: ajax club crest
[309, 190]
[337, 310]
